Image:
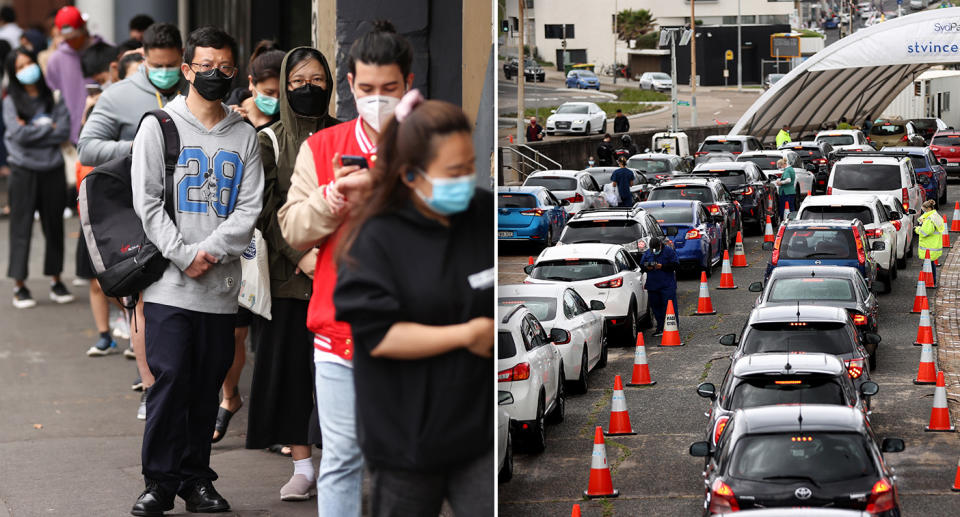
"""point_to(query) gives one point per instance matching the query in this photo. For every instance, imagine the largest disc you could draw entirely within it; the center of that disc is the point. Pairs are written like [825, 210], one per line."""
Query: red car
[946, 146]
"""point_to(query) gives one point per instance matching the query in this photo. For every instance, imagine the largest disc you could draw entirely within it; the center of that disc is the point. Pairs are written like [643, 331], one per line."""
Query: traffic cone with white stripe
[704, 305]
[768, 231]
[671, 331]
[619, 416]
[920, 299]
[946, 241]
[786, 210]
[739, 257]
[600, 483]
[641, 370]
[955, 220]
[925, 329]
[726, 274]
[927, 272]
[927, 372]
[940, 413]
[576, 511]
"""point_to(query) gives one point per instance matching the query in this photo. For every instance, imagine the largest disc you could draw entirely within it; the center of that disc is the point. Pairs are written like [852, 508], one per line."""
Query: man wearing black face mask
[660, 262]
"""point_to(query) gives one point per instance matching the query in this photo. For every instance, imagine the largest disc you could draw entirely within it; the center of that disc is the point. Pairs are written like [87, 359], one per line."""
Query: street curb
[947, 322]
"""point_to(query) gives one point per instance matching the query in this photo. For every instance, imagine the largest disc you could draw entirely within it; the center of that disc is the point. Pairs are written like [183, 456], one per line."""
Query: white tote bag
[611, 194]
[255, 277]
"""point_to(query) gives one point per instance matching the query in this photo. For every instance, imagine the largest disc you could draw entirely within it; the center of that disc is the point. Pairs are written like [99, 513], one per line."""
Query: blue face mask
[450, 195]
[30, 74]
[266, 104]
[164, 78]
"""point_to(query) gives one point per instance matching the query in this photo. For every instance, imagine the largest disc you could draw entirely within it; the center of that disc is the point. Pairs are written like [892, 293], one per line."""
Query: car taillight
[692, 234]
[748, 191]
[905, 197]
[820, 161]
[520, 372]
[861, 254]
[714, 209]
[735, 152]
[576, 198]
[718, 428]
[829, 190]
[536, 212]
[854, 368]
[875, 233]
[723, 500]
[776, 247]
[610, 284]
[897, 225]
[700, 153]
[882, 498]
[859, 319]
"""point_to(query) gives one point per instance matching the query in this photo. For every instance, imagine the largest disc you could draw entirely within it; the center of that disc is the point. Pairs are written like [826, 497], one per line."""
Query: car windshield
[615, 231]
[798, 336]
[671, 214]
[919, 162]
[771, 391]
[762, 161]
[925, 123]
[505, 346]
[601, 175]
[868, 176]
[727, 177]
[660, 76]
[946, 140]
[516, 201]
[551, 182]
[849, 213]
[649, 165]
[814, 243]
[529, 63]
[686, 192]
[572, 270]
[545, 309]
[578, 109]
[824, 457]
[807, 153]
[836, 139]
[723, 146]
[886, 129]
[587, 74]
[811, 288]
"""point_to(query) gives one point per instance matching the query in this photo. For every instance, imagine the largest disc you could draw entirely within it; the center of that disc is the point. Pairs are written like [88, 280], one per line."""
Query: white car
[579, 188]
[904, 225]
[530, 368]
[767, 161]
[559, 306]
[842, 138]
[658, 81]
[916, 5]
[504, 439]
[876, 221]
[577, 117]
[869, 173]
[603, 272]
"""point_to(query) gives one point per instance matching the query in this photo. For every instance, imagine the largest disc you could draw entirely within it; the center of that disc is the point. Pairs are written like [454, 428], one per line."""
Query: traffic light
[505, 26]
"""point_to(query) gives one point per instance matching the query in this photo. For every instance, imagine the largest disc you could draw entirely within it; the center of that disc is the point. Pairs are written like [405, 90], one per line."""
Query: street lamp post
[521, 134]
[693, 63]
[739, 46]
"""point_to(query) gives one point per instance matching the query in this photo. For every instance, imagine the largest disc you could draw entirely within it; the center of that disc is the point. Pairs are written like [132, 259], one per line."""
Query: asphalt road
[653, 471]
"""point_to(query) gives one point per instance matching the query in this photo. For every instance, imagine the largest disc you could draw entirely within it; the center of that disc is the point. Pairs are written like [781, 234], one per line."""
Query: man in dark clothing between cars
[534, 131]
[660, 262]
[605, 151]
[620, 123]
[623, 177]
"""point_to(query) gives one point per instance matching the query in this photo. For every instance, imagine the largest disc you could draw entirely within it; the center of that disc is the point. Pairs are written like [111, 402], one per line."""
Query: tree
[631, 24]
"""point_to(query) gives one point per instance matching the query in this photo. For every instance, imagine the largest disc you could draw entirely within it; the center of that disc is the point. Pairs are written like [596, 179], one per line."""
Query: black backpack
[125, 261]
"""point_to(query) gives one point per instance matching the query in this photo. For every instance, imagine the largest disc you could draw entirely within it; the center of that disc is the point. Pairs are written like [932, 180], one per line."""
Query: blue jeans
[341, 465]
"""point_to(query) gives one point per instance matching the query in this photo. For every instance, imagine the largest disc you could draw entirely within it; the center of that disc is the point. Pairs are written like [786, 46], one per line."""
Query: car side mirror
[912, 211]
[943, 161]
[702, 449]
[871, 338]
[559, 336]
[597, 305]
[707, 390]
[553, 111]
[756, 287]
[812, 167]
[728, 340]
[528, 269]
[893, 215]
[878, 246]
[887, 445]
[869, 389]
[767, 246]
[504, 398]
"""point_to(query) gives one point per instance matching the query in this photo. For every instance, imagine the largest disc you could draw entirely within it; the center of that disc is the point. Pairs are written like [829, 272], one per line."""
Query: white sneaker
[121, 329]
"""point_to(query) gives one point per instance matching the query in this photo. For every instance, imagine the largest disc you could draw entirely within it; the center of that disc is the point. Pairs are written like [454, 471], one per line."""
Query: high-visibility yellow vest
[930, 231]
[783, 137]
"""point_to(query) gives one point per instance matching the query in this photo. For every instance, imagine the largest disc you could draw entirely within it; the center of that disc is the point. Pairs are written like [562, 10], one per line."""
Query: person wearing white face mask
[331, 178]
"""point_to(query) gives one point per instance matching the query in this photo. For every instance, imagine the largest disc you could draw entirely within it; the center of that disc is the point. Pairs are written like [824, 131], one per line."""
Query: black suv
[820, 155]
[808, 455]
[713, 194]
[532, 71]
[748, 185]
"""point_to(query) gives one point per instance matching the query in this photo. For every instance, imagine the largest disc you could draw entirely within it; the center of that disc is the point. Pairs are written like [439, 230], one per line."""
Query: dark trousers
[467, 487]
[787, 198]
[658, 304]
[32, 191]
[189, 353]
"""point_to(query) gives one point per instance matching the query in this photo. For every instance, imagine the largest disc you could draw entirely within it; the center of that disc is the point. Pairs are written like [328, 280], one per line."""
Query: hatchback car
[890, 132]
[809, 455]
[878, 173]
[641, 182]
[657, 81]
[696, 236]
[842, 138]
[581, 118]
[734, 144]
[946, 147]
[602, 272]
[578, 188]
[660, 166]
[748, 185]
[925, 164]
[714, 196]
[529, 213]
[757, 380]
[631, 227]
[559, 306]
[583, 79]
[530, 369]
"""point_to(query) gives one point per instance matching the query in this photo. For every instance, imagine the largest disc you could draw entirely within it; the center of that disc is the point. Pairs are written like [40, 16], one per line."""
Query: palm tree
[631, 24]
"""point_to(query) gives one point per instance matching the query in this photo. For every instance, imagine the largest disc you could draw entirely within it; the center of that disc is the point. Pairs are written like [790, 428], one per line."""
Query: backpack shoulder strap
[276, 145]
[171, 152]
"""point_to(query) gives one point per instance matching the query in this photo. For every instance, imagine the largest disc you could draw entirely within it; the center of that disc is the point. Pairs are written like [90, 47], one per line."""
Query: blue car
[583, 79]
[529, 213]
[695, 234]
[926, 164]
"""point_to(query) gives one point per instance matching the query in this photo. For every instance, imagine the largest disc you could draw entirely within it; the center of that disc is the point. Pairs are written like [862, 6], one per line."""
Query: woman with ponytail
[258, 102]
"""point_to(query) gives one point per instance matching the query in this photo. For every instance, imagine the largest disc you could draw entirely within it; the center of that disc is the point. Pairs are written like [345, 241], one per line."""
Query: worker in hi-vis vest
[931, 228]
[783, 136]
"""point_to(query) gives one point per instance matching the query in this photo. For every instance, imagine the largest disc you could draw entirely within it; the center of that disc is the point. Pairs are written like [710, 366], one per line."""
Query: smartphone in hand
[348, 160]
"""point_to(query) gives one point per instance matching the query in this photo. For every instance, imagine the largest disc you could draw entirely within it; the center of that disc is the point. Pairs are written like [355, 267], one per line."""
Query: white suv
[842, 138]
[904, 225]
[632, 227]
[876, 221]
[577, 187]
[530, 368]
[602, 272]
[881, 174]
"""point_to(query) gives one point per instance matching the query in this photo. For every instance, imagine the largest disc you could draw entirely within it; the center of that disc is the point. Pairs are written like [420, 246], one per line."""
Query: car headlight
[578, 121]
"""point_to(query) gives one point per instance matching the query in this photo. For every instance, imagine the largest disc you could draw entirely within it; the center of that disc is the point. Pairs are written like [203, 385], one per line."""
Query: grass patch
[638, 95]
[706, 370]
[607, 507]
[598, 406]
[629, 108]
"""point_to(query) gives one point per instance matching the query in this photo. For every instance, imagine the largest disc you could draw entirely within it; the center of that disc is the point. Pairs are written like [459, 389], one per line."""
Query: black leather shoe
[152, 502]
[201, 497]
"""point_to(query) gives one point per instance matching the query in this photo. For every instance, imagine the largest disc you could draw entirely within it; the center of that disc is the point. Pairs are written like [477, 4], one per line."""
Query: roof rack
[628, 209]
[512, 312]
[843, 153]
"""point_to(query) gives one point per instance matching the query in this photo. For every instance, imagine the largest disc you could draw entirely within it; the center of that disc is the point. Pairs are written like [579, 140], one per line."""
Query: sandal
[223, 418]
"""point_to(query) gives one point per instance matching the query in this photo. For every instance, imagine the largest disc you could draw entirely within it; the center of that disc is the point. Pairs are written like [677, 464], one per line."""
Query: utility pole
[673, 79]
[739, 47]
[521, 134]
[693, 63]
[616, 36]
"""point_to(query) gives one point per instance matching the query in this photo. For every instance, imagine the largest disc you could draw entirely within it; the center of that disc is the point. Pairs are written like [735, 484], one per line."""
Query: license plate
[501, 235]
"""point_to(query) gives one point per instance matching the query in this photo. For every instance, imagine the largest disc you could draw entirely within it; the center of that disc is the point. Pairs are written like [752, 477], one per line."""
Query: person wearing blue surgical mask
[415, 283]
[258, 103]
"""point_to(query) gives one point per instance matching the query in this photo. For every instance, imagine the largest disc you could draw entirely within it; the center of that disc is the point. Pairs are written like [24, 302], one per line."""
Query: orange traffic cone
[600, 483]
[510, 137]
[671, 331]
[956, 480]
[641, 370]
[530, 261]
[946, 241]
[955, 220]
[726, 274]
[739, 257]
[704, 305]
[786, 210]
[927, 272]
[920, 299]
[927, 372]
[619, 417]
[940, 414]
[768, 231]
[925, 330]
[576, 511]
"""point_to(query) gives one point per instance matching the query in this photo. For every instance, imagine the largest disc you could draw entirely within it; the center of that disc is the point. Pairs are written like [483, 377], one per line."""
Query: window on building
[748, 18]
[529, 4]
[556, 31]
[771, 19]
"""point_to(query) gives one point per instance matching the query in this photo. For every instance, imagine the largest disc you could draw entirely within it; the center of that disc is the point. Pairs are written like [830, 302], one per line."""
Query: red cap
[68, 19]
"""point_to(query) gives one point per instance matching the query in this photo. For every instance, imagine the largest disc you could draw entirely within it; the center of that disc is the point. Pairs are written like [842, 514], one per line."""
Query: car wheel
[549, 241]
[506, 473]
[580, 385]
[725, 242]
[873, 359]
[603, 352]
[943, 198]
[708, 267]
[560, 405]
[893, 269]
[646, 322]
[537, 434]
[887, 282]
[587, 130]
[630, 328]
[902, 262]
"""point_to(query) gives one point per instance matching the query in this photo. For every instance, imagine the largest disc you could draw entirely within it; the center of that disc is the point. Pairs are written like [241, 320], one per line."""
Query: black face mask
[309, 100]
[213, 85]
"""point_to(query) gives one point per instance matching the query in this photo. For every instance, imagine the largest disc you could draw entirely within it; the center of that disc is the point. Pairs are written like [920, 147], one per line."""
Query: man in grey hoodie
[190, 312]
